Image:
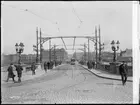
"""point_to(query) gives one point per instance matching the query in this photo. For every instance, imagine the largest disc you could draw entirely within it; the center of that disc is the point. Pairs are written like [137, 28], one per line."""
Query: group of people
[91, 64]
[11, 74]
[19, 70]
[123, 69]
[49, 65]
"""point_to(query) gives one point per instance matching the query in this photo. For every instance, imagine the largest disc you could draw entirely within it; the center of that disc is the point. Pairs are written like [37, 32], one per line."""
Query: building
[107, 56]
[126, 53]
[13, 58]
[28, 58]
[57, 54]
[126, 56]
[7, 59]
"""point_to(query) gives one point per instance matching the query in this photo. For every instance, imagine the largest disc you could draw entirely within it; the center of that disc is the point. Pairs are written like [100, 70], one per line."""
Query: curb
[105, 77]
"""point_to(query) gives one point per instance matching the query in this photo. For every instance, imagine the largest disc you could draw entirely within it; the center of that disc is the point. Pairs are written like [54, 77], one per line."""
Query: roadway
[69, 84]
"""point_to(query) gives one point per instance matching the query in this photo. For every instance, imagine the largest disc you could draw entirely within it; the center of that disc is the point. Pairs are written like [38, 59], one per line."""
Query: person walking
[93, 64]
[45, 66]
[88, 64]
[123, 72]
[10, 73]
[51, 64]
[48, 65]
[33, 68]
[19, 70]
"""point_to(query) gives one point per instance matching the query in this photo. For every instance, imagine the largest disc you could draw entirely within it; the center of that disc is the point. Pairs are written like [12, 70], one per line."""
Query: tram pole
[88, 49]
[40, 48]
[96, 45]
[37, 45]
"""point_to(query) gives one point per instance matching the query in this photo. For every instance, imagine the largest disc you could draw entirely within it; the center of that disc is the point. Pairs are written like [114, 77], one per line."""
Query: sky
[114, 18]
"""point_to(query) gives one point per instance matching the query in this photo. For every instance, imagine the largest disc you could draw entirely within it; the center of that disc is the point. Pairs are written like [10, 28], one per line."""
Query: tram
[72, 61]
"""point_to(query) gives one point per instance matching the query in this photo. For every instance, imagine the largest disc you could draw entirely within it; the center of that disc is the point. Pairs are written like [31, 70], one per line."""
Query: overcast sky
[114, 18]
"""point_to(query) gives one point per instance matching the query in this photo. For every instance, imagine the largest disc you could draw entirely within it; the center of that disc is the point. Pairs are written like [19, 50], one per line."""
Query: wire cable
[27, 10]
[74, 11]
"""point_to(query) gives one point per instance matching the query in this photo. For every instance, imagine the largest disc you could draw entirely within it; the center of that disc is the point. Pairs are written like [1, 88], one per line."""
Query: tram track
[73, 85]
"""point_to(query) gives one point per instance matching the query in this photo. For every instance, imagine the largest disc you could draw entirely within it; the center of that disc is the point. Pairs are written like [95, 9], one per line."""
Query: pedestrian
[123, 72]
[93, 64]
[33, 68]
[45, 66]
[19, 70]
[88, 64]
[51, 64]
[10, 73]
[48, 65]
[55, 63]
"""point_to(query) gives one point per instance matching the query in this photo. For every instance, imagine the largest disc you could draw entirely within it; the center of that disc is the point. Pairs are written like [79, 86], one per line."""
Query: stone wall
[114, 69]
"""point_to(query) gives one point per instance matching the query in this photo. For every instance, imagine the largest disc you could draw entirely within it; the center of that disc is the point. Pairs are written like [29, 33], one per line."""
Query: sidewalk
[25, 75]
[102, 74]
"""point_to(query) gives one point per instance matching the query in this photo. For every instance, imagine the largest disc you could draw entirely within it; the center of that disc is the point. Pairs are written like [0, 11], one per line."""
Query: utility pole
[54, 52]
[40, 48]
[88, 49]
[50, 50]
[99, 45]
[75, 55]
[96, 45]
[37, 45]
[84, 52]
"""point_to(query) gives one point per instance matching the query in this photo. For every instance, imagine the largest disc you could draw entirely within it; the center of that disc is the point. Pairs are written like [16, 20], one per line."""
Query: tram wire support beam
[40, 47]
[37, 45]
[96, 45]
[88, 49]
[50, 49]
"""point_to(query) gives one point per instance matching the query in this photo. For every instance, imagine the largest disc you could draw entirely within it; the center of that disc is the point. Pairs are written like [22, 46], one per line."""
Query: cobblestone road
[70, 84]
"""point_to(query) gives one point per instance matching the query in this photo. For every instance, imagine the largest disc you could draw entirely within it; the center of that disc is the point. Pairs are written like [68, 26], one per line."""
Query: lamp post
[115, 48]
[101, 47]
[19, 49]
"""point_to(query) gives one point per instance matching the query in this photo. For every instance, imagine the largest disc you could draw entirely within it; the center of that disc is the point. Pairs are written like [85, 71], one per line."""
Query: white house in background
[126, 53]
[126, 56]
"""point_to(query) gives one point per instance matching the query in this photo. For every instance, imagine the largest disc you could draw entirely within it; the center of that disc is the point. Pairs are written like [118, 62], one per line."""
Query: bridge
[40, 40]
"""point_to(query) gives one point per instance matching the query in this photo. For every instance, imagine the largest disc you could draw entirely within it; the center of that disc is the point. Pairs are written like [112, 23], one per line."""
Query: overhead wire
[27, 10]
[74, 11]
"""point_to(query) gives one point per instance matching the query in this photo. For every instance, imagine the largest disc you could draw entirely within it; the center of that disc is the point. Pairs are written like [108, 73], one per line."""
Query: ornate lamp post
[19, 49]
[100, 49]
[115, 48]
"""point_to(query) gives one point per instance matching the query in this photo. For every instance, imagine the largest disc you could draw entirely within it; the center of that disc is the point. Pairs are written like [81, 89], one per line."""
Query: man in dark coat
[48, 65]
[52, 64]
[45, 66]
[33, 67]
[123, 72]
[93, 64]
[89, 64]
[10, 73]
[55, 63]
[19, 70]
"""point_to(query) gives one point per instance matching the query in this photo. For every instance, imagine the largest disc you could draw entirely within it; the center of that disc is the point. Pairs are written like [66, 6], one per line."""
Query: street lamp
[100, 49]
[115, 48]
[19, 49]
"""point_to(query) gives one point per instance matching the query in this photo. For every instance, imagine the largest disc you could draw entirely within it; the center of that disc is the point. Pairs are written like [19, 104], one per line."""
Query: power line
[27, 10]
[74, 11]
[76, 14]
